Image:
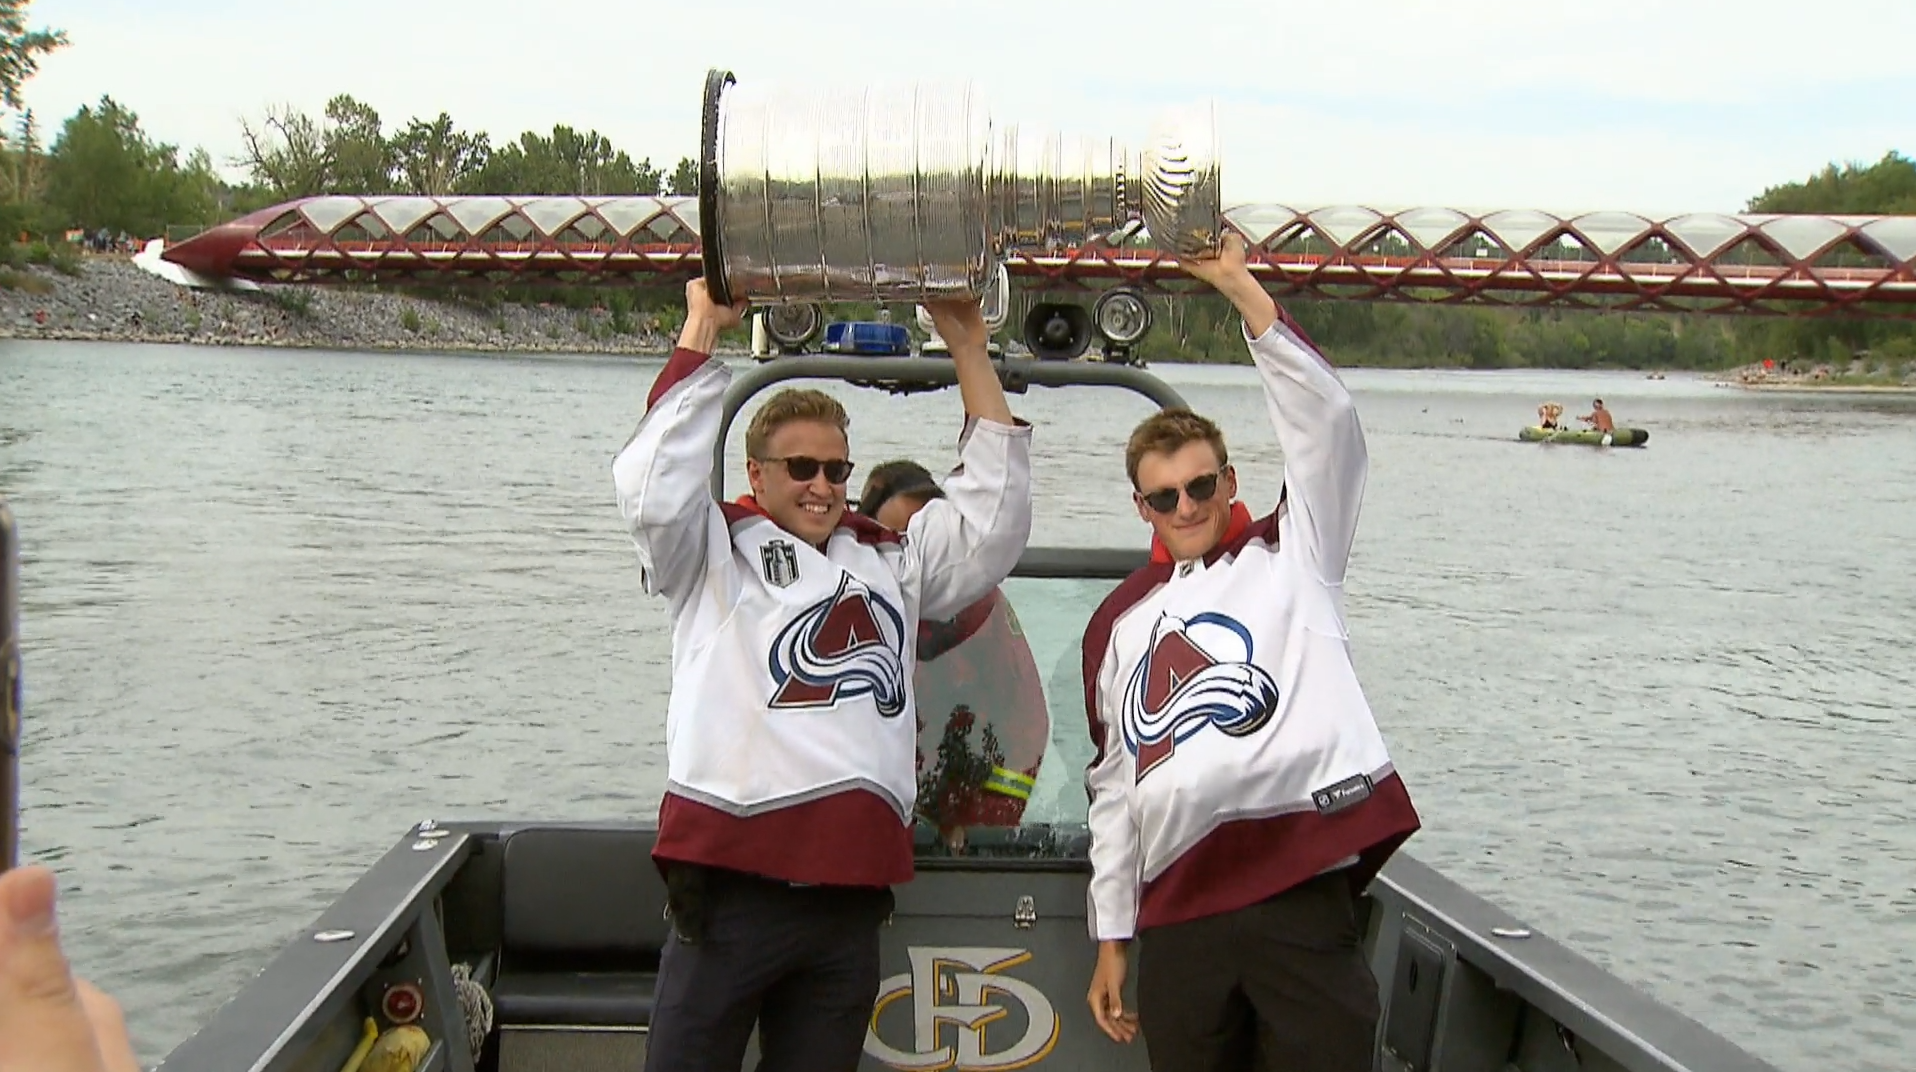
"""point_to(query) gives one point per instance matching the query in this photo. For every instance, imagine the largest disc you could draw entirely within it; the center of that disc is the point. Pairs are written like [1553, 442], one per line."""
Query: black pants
[1282, 984]
[799, 962]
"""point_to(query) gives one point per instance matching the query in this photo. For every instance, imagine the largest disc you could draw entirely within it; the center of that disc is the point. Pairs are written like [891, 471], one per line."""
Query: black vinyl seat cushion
[587, 999]
[583, 924]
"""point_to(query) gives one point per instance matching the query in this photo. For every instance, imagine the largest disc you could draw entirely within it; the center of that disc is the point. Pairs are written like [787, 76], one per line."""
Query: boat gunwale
[1624, 1021]
[394, 888]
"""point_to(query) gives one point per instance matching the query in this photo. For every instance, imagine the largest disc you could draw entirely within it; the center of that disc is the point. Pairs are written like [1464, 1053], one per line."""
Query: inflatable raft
[1622, 437]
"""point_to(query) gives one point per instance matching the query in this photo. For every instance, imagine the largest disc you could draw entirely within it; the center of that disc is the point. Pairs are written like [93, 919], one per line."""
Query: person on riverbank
[790, 734]
[50, 1021]
[1241, 794]
[982, 720]
[1599, 417]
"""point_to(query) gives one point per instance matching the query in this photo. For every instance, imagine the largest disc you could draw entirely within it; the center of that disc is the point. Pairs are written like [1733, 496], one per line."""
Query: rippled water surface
[279, 605]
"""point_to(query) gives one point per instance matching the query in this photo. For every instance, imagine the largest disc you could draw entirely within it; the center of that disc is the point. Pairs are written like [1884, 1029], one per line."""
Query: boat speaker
[1057, 331]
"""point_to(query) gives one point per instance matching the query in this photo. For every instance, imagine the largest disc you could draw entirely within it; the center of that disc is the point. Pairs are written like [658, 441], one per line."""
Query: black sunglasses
[1200, 489]
[802, 469]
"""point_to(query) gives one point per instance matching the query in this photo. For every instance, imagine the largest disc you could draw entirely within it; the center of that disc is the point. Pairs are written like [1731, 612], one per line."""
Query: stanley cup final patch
[781, 563]
[1335, 798]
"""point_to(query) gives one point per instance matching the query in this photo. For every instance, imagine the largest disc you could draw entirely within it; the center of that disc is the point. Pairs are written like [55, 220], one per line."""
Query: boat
[1621, 437]
[520, 946]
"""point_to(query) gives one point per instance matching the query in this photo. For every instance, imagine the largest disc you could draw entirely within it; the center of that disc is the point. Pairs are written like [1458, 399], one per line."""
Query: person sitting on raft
[1547, 415]
[1599, 417]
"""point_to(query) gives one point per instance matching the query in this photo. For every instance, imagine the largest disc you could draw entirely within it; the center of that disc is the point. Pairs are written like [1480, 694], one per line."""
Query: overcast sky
[1652, 105]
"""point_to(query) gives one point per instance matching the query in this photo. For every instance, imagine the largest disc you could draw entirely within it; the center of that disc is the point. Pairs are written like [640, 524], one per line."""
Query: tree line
[103, 171]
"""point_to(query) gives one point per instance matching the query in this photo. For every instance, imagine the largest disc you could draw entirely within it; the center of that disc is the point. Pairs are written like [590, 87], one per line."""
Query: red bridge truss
[1703, 262]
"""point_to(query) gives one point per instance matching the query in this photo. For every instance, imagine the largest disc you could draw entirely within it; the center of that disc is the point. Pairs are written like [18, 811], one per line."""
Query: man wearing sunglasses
[1242, 796]
[791, 739]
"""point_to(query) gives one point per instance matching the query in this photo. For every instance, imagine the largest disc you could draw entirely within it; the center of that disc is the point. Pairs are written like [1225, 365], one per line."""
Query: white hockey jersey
[791, 740]
[1236, 753]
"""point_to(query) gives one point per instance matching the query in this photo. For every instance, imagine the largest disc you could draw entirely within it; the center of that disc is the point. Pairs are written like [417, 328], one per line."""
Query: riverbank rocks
[112, 299]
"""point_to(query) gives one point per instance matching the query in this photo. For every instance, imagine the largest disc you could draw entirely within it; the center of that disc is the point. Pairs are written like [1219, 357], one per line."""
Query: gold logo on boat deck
[962, 1009]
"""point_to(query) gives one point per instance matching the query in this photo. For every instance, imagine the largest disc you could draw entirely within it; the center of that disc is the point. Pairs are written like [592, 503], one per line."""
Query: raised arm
[969, 541]
[1326, 461]
[662, 475]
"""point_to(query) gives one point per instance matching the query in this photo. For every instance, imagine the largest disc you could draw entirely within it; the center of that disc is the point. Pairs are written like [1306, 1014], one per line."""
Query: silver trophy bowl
[1183, 208]
[907, 193]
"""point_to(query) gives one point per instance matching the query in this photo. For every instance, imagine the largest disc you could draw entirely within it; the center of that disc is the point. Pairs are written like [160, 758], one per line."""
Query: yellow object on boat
[398, 1050]
[366, 1039]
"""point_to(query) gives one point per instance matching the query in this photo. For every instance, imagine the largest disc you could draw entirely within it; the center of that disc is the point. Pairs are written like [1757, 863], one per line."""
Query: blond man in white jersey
[1242, 796]
[791, 742]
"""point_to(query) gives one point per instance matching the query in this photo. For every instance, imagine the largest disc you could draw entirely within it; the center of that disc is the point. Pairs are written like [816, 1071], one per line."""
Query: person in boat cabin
[790, 736]
[978, 681]
[1547, 415]
[1599, 417]
[50, 1021]
[1242, 796]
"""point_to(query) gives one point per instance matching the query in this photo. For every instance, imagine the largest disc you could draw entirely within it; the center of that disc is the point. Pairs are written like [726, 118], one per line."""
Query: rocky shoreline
[1859, 378]
[111, 299]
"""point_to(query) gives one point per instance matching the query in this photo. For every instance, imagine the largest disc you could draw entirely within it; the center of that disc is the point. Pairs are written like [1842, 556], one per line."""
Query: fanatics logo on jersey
[1335, 798]
[780, 561]
[1198, 674]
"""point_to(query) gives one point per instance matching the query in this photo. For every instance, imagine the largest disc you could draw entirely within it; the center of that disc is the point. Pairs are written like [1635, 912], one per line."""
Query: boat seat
[582, 927]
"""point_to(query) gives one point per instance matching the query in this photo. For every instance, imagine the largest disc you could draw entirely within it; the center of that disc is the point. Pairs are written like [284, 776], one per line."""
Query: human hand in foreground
[961, 323]
[705, 318]
[50, 1021]
[1225, 270]
[1220, 265]
[1107, 994]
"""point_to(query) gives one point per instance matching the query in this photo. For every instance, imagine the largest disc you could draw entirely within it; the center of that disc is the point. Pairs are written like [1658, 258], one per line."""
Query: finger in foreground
[44, 1027]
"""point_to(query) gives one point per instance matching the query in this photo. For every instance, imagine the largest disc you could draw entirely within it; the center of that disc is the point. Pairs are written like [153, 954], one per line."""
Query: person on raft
[1547, 415]
[1599, 417]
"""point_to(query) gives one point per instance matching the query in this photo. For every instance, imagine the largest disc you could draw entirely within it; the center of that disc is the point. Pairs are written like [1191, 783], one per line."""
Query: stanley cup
[907, 193]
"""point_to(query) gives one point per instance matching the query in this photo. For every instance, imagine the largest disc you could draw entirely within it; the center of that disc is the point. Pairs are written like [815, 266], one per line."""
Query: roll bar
[905, 375]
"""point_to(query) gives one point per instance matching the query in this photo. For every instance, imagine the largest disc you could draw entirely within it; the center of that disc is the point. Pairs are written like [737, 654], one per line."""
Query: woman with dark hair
[982, 722]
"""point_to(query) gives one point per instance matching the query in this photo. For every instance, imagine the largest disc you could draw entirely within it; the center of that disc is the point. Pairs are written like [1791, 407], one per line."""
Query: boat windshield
[1003, 736]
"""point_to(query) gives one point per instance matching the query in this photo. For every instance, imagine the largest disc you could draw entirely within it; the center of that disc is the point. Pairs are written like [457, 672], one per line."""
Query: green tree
[103, 171]
[685, 178]
[287, 153]
[435, 158]
[362, 158]
[21, 49]
[1887, 187]
[566, 162]
[342, 152]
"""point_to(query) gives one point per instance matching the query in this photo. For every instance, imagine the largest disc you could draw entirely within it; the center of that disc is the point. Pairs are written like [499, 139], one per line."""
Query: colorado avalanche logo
[1198, 674]
[852, 644]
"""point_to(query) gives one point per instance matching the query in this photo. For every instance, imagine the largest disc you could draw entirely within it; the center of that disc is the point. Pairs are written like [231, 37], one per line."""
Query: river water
[281, 604]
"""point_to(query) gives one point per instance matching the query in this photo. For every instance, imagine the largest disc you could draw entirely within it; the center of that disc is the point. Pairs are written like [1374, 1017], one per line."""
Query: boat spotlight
[1123, 318]
[1057, 332]
[794, 324]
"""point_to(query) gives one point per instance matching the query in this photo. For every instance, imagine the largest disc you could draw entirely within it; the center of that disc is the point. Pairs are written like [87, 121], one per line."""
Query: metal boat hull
[1464, 985]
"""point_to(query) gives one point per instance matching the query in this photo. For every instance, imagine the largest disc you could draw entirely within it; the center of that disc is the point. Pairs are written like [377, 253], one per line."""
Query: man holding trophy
[1242, 796]
[791, 739]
